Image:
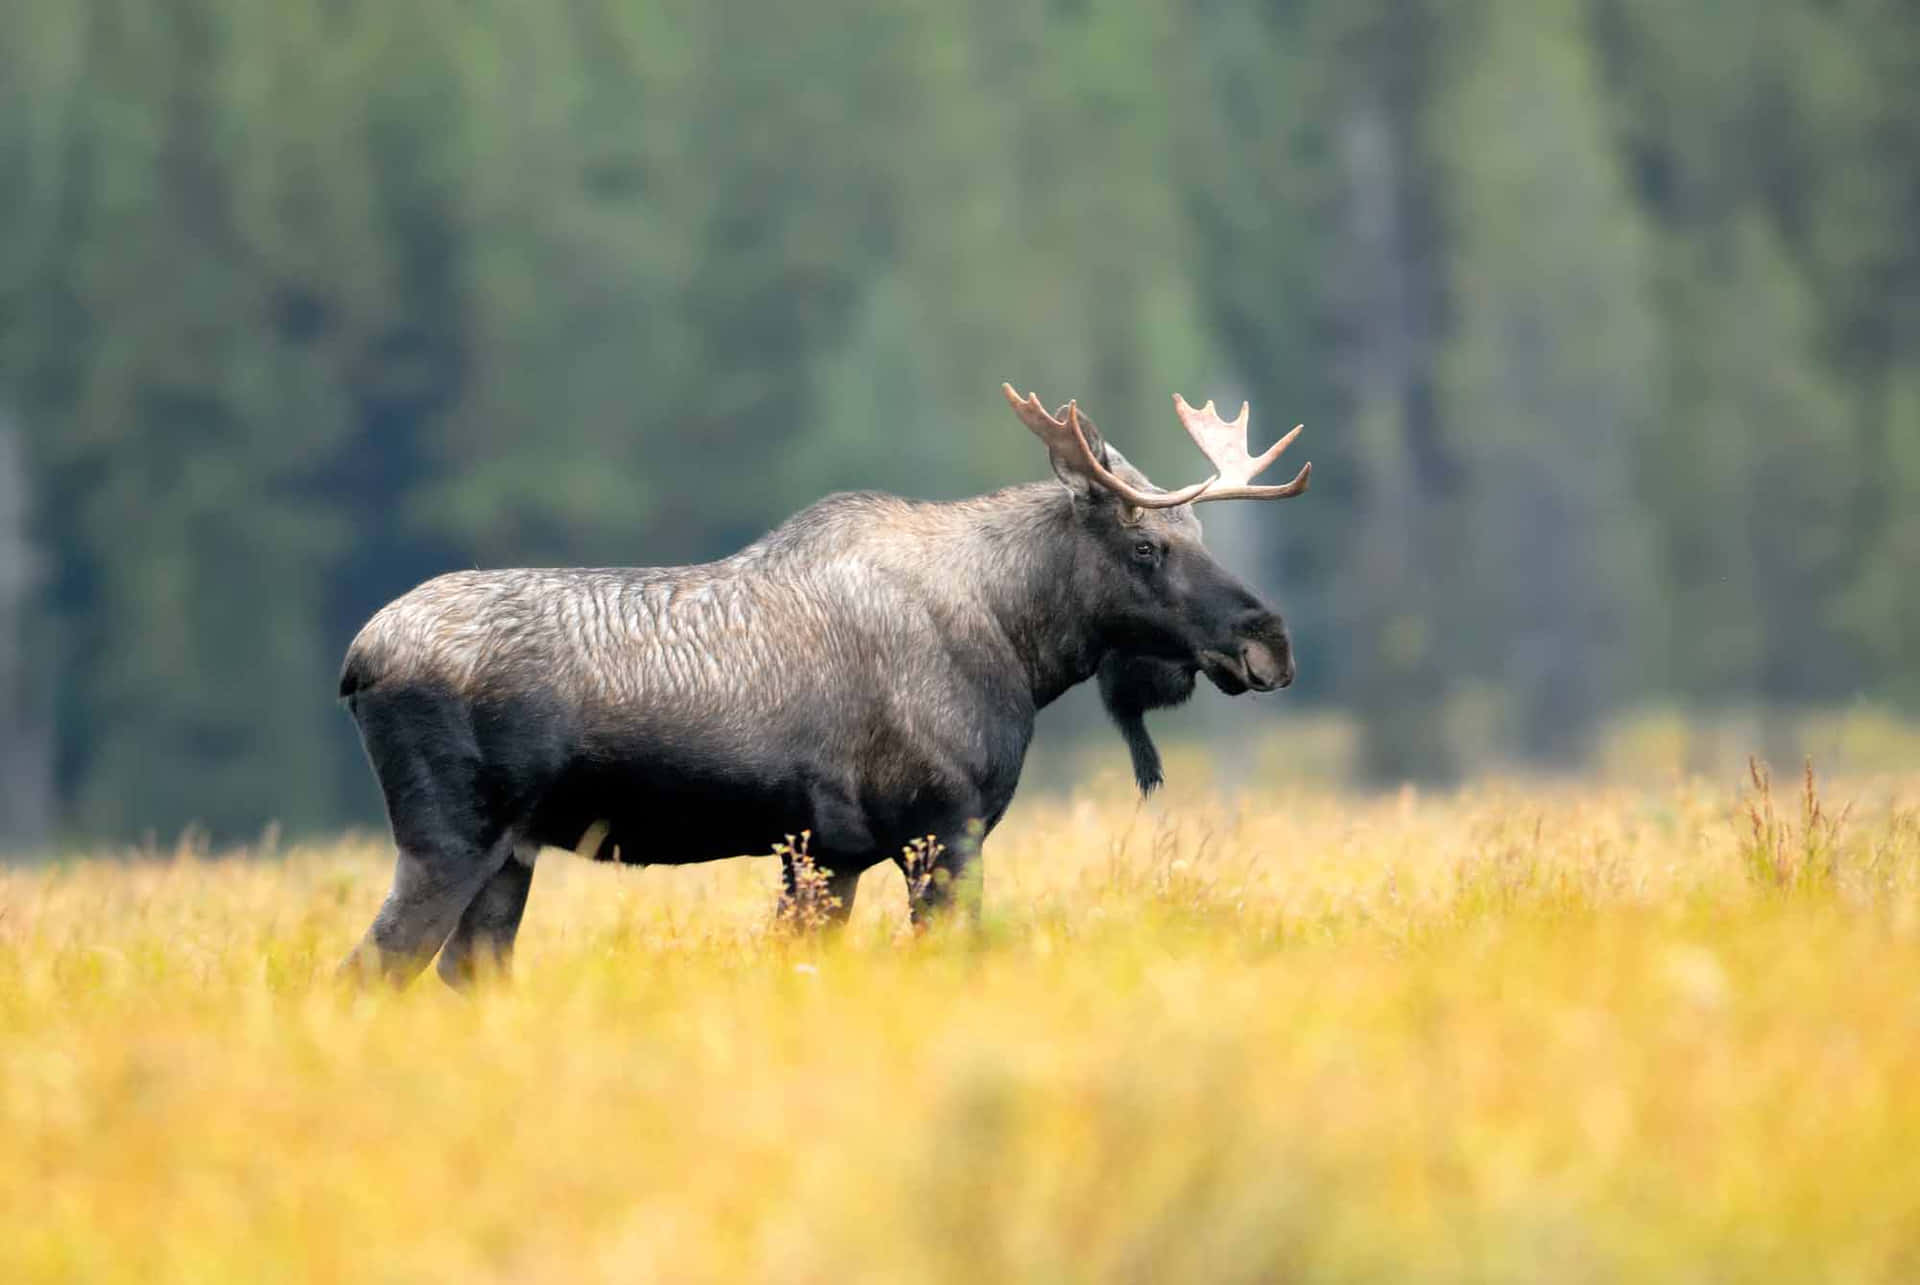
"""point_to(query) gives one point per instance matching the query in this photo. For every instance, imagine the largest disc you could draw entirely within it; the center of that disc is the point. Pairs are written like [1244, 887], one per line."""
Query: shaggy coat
[869, 672]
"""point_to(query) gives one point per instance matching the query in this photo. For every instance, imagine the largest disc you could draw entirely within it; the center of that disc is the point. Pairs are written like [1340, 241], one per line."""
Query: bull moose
[868, 672]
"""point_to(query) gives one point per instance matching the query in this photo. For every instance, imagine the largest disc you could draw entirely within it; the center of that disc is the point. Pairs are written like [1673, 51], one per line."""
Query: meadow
[1525, 1031]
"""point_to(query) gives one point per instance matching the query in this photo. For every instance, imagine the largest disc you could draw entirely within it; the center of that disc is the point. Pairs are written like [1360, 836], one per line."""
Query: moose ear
[1076, 450]
[1094, 440]
[1071, 474]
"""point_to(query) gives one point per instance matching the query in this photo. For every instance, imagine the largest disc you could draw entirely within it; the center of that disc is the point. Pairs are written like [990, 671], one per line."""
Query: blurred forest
[1603, 316]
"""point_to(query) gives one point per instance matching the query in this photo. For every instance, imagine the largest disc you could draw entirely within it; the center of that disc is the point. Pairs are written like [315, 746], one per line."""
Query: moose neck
[1027, 546]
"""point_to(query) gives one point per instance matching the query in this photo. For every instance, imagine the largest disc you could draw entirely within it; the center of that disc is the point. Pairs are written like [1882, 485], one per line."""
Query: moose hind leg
[452, 834]
[431, 887]
[482, 942]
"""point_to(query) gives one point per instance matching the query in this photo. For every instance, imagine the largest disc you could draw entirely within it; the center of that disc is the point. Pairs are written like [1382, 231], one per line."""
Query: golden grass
[1528, 1033]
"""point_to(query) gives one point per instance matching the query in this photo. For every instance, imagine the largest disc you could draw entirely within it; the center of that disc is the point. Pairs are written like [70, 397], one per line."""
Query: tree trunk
[25, 750]
[1386, 313]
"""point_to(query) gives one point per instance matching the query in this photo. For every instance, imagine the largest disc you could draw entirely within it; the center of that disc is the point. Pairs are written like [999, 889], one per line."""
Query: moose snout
[1267, 655]
[1268, 667]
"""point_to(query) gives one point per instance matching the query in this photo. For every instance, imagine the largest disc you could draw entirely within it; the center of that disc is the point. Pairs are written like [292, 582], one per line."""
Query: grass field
[1527, 1032]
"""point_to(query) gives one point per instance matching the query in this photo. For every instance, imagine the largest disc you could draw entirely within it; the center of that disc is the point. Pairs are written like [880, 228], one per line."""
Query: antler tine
[1224, 442]
[1068, 442]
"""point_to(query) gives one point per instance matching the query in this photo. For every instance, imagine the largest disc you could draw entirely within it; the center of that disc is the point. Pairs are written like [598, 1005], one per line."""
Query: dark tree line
[1604, 316]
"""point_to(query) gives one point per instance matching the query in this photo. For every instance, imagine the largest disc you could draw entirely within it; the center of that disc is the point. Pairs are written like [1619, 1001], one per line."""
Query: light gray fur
[858, 576]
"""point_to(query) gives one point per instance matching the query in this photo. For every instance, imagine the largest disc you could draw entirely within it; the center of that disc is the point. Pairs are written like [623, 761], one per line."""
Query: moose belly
[671, 809]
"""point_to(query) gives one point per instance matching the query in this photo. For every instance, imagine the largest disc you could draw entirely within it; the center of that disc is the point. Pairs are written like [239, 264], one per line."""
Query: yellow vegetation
[1528, 1032]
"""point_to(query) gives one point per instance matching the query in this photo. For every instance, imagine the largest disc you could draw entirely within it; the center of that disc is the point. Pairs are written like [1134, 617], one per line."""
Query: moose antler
[1223, 443]
[1067, 440]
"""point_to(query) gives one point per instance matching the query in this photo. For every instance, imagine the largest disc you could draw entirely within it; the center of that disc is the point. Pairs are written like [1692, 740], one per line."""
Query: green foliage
[1546, 377]
[1601, 313]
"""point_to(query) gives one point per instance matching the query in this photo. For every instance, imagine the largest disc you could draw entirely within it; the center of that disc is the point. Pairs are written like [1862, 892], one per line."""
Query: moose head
[1167, 609]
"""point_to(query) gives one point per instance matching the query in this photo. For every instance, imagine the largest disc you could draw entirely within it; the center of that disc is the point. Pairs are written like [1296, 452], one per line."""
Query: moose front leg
[813, 895]
[820, 872]
[944, 873]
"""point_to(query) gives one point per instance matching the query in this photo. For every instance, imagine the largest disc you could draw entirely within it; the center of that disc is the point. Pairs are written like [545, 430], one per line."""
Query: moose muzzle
[1261, 659]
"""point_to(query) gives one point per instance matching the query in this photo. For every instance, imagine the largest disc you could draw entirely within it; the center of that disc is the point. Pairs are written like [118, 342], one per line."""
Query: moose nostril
[1272, 661]
[1266, 666]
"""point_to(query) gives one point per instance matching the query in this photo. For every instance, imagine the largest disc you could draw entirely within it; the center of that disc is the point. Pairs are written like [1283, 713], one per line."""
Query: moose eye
[1145, 551]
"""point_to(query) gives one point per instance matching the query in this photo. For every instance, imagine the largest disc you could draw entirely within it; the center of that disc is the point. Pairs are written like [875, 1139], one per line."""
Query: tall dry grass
[1526, 1032]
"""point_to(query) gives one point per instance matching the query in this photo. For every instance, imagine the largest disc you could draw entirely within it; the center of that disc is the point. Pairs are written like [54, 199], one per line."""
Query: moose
[867, 672]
